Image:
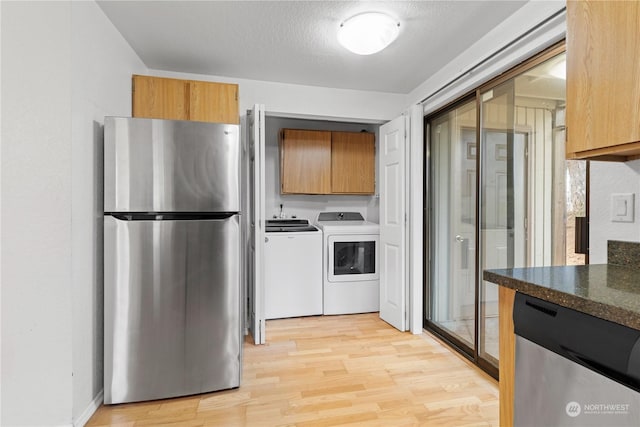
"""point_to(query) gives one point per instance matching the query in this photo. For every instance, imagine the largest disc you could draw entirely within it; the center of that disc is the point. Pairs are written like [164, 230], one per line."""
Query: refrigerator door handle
[170, 216]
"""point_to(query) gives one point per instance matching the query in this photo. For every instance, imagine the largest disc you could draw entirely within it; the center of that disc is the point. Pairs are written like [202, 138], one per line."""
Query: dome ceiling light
[368, 32]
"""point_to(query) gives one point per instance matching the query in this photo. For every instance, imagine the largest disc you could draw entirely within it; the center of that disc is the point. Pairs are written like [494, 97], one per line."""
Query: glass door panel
[453, 152]
[503, 194]
[522, 206]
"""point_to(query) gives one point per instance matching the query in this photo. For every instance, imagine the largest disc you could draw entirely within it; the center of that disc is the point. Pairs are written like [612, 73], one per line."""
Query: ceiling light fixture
[368, 32]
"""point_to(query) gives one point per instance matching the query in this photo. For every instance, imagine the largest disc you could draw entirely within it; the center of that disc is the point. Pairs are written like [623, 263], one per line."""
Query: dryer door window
[353, 258]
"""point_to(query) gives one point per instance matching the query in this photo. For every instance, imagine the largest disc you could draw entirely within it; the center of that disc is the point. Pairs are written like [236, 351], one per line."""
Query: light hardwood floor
[334, 370]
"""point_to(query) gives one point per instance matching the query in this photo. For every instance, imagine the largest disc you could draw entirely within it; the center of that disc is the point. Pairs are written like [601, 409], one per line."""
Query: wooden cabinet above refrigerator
[175, 99]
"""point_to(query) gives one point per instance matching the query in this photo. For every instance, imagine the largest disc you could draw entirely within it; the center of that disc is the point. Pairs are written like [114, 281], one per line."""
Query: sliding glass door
[495, 198]
[453, 151]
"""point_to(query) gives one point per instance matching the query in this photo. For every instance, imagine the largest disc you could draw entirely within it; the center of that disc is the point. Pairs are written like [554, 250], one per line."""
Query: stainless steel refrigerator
[172, 303]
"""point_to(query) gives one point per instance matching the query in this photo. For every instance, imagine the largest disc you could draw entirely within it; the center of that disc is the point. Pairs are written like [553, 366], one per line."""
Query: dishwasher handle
[630, 380]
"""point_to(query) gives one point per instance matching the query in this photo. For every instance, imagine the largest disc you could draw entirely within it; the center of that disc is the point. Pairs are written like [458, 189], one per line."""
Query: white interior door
[256, 125]
[393, 223]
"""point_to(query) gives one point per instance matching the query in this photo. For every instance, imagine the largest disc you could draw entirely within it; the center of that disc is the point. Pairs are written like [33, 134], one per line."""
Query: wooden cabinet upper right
[603, 88]
[353, 163]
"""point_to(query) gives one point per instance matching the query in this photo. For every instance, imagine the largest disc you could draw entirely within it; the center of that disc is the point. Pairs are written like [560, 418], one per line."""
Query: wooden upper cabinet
[213, 102]
[603, 89]
[159, 98]
[353, 163]
[174, 99]
[305, 161]
[324, 162]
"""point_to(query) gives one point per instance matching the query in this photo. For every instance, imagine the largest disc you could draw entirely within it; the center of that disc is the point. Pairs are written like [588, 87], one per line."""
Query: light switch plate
[622, 207]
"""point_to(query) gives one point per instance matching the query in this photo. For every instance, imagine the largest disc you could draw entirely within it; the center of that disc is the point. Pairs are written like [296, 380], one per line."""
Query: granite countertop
[607, 291]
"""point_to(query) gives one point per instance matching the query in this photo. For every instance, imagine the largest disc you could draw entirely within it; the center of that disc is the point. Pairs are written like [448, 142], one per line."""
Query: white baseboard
[91, 409]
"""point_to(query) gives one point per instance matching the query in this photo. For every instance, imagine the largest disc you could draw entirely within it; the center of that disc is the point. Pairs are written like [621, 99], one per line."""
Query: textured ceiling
[295, 41]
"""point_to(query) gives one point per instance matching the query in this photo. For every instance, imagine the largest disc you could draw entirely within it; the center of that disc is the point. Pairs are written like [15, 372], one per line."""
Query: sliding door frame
[472, 354]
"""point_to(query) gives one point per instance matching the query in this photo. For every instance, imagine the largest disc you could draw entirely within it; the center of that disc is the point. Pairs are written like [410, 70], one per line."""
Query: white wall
[64, 67]
[308, 206]
[102, 64]
[36, 223]
[607, 178]
[290, 100]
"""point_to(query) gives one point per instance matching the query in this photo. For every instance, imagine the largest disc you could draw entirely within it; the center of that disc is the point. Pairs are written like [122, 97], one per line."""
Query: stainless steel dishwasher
[573, 369]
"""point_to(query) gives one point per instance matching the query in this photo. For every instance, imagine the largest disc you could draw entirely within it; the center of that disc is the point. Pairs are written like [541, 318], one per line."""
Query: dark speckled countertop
[610, 292]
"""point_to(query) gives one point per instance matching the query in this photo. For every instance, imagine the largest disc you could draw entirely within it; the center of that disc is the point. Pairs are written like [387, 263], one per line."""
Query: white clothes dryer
[351, 277]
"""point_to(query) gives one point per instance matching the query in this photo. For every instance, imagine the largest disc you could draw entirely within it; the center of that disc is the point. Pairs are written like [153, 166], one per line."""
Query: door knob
[460, 239]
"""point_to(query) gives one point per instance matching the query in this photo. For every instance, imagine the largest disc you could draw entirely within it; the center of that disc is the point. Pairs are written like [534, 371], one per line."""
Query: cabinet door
[213, 102]
[603, 91]
[353, 162]
[305, 161]
[160, 98]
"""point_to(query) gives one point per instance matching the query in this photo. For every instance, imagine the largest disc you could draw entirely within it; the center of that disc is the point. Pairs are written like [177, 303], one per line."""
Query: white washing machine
[351, 277]
[293, 269]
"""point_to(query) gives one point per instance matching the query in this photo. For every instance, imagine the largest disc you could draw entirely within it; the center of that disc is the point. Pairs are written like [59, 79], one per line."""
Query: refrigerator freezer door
[172, 308]
[153, 165]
